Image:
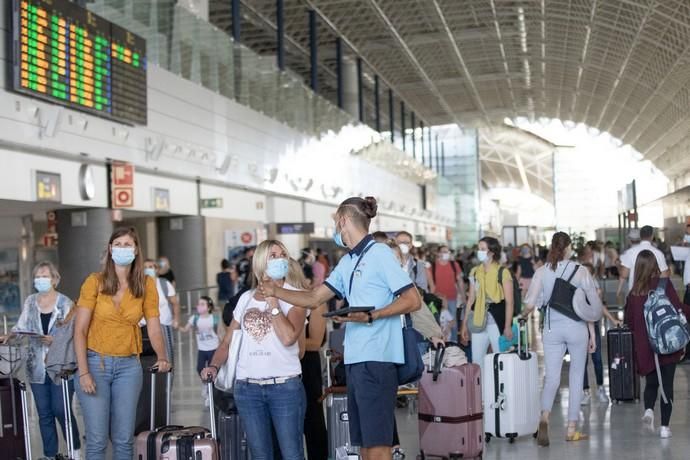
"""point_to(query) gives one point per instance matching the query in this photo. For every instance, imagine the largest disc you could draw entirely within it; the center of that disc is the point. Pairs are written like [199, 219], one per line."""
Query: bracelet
[370, 319]
[85, 373]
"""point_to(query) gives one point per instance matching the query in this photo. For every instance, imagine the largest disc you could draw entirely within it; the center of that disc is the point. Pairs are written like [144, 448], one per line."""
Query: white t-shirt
[166, 316]
[629, 258]
[262, 355]
[206, 337]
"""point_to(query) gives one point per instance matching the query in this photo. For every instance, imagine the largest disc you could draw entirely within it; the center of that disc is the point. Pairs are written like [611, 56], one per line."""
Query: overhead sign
[161, 199]
[122, 183]
[211, 203]
[48, 187]
[299, 228]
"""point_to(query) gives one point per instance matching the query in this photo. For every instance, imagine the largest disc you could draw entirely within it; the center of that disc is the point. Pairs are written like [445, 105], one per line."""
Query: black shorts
[371, 391]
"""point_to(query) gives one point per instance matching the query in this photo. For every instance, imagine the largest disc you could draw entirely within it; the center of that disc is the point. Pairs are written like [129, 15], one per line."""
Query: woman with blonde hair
[268, 388]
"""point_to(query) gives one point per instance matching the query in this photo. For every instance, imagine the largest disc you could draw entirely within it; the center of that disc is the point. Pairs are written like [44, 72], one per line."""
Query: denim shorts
[372, 388]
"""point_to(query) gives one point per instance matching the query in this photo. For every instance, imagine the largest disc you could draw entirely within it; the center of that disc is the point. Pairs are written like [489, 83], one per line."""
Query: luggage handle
[67, 410]
[438, 360]
[522, 348]
[211, 405]
[153, 370]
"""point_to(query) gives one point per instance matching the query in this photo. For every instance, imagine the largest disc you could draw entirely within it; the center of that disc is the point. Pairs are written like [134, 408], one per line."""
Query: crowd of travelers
[472, 296]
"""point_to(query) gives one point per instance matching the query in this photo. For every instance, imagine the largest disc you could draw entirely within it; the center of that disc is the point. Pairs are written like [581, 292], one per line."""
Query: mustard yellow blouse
[115, 331]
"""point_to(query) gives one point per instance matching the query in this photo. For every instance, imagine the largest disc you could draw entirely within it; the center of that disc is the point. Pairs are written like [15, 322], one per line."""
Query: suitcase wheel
[535, 434]
[487, 438]
[511, 440]
[421, 455]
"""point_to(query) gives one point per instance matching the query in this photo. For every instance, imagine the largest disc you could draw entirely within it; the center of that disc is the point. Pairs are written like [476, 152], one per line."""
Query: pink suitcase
[450, 411]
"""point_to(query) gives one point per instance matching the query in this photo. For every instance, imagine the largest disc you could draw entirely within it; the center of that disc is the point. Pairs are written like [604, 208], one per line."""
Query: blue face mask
[43, 284]
[150, 272]
[338, 239]
[123, 256]
[277, 269]
[687, 238]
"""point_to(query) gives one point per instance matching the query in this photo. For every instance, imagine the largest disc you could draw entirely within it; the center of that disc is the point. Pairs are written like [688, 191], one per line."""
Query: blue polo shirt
[376, 282]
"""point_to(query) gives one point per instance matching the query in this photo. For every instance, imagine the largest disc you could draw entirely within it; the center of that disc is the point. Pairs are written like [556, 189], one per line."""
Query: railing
[196, 50]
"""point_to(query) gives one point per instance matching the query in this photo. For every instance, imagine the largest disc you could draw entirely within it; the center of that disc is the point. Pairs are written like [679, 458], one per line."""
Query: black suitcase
[624, 383]
[14, 431]
[162, 407]
[231, 435]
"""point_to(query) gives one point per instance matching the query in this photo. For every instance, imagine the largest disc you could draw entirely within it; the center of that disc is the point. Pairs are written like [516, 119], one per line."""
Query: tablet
[346, 311]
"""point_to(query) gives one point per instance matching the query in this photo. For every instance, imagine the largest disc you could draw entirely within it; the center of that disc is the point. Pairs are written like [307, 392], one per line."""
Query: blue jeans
[111, 412]
[453, 310]
[284, 405]
[48, 398]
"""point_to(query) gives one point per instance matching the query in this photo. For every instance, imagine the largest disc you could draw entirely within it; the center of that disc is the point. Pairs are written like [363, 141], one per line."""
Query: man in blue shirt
[369, 275]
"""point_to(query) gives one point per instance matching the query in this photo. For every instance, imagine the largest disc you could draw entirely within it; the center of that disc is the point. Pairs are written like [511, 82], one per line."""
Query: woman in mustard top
[107, 342]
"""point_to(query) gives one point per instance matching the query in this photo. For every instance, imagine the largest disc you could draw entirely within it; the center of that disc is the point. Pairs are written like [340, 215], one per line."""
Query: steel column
[391, 114]
[377, 104]
[280, 34]
[360, 90]
[438, 164]
[443, 159]
[339, 70]
[314, 51]
[414, 136]
[236, 20]
[402, 125]
[421, 141]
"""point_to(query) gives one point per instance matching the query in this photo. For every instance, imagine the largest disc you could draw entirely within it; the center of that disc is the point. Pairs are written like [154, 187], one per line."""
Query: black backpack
[517, 292]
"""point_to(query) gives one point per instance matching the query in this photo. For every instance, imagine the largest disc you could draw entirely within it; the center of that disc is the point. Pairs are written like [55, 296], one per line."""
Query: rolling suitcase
[148, 442]
[151, 411]
[67, 410]
[624, 383]
[15, 441]
[337, 420]
[511, 392]
[231, 436]
[450, 411]
[191, 444]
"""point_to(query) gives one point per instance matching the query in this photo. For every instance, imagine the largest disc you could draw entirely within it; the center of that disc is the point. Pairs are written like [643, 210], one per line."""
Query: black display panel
[68, 55]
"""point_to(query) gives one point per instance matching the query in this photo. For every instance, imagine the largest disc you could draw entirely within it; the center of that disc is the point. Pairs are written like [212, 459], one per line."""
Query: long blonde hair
[260, 259]
[295, 276]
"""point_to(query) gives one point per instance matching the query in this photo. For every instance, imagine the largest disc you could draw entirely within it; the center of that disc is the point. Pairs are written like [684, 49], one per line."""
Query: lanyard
[361, 256]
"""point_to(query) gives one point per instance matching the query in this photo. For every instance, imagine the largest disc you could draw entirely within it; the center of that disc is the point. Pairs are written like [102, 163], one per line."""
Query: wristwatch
[370, 318]
[275, 311]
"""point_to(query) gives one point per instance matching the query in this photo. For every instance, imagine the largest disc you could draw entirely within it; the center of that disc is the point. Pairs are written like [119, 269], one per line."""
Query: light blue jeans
[453, 310]
[110, 413]
[282, 405]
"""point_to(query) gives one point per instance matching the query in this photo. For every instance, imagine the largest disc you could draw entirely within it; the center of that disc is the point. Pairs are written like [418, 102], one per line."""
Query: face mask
[338, 239]
[150, 272]
[525, 252]
[162, 264]
[201, 309]
[482, 256]
[123, 256]
[445, 256]
[405, 249]
[43, 284]
[686, 238]
[277, 269]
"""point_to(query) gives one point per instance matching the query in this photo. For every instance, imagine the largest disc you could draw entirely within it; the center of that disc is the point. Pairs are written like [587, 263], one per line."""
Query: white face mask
[404, 249]
[686, 238]
[445, 256]
[482, 256]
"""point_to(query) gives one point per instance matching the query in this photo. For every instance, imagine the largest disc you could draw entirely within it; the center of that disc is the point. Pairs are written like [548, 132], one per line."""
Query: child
[206, 326]
[447, 322]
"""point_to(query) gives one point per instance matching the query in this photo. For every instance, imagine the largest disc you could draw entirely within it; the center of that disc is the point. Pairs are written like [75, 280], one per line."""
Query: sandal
[543, 434]
[576, 436]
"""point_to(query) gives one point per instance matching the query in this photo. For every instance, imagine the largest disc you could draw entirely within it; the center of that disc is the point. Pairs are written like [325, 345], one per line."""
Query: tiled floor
[616, 431]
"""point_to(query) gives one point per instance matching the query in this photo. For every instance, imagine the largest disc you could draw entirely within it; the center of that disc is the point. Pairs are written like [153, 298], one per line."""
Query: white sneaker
[586, 398]
[648, 417]
[77, 454]
[603, 397]
[665, 432]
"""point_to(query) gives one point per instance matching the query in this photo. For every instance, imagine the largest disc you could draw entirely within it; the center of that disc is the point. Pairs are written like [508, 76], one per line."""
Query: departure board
[66, 54]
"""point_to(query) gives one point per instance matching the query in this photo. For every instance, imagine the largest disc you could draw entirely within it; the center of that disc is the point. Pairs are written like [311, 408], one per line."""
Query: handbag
[226, 374]
[412, 369]
[562, 295]
[225, 379]
[470, 323]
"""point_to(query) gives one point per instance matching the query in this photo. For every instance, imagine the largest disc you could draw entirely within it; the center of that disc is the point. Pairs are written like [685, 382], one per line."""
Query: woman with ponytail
[562, 333]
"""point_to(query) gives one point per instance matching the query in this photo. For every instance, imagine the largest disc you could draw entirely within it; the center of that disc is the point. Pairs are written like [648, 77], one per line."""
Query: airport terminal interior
[211, 126]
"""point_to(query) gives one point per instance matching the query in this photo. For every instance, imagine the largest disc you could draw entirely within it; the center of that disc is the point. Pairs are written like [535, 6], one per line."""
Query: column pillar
[82, 244]
[183, 241]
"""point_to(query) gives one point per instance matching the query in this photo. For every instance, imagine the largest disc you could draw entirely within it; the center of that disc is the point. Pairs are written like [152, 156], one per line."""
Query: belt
[272, 380]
